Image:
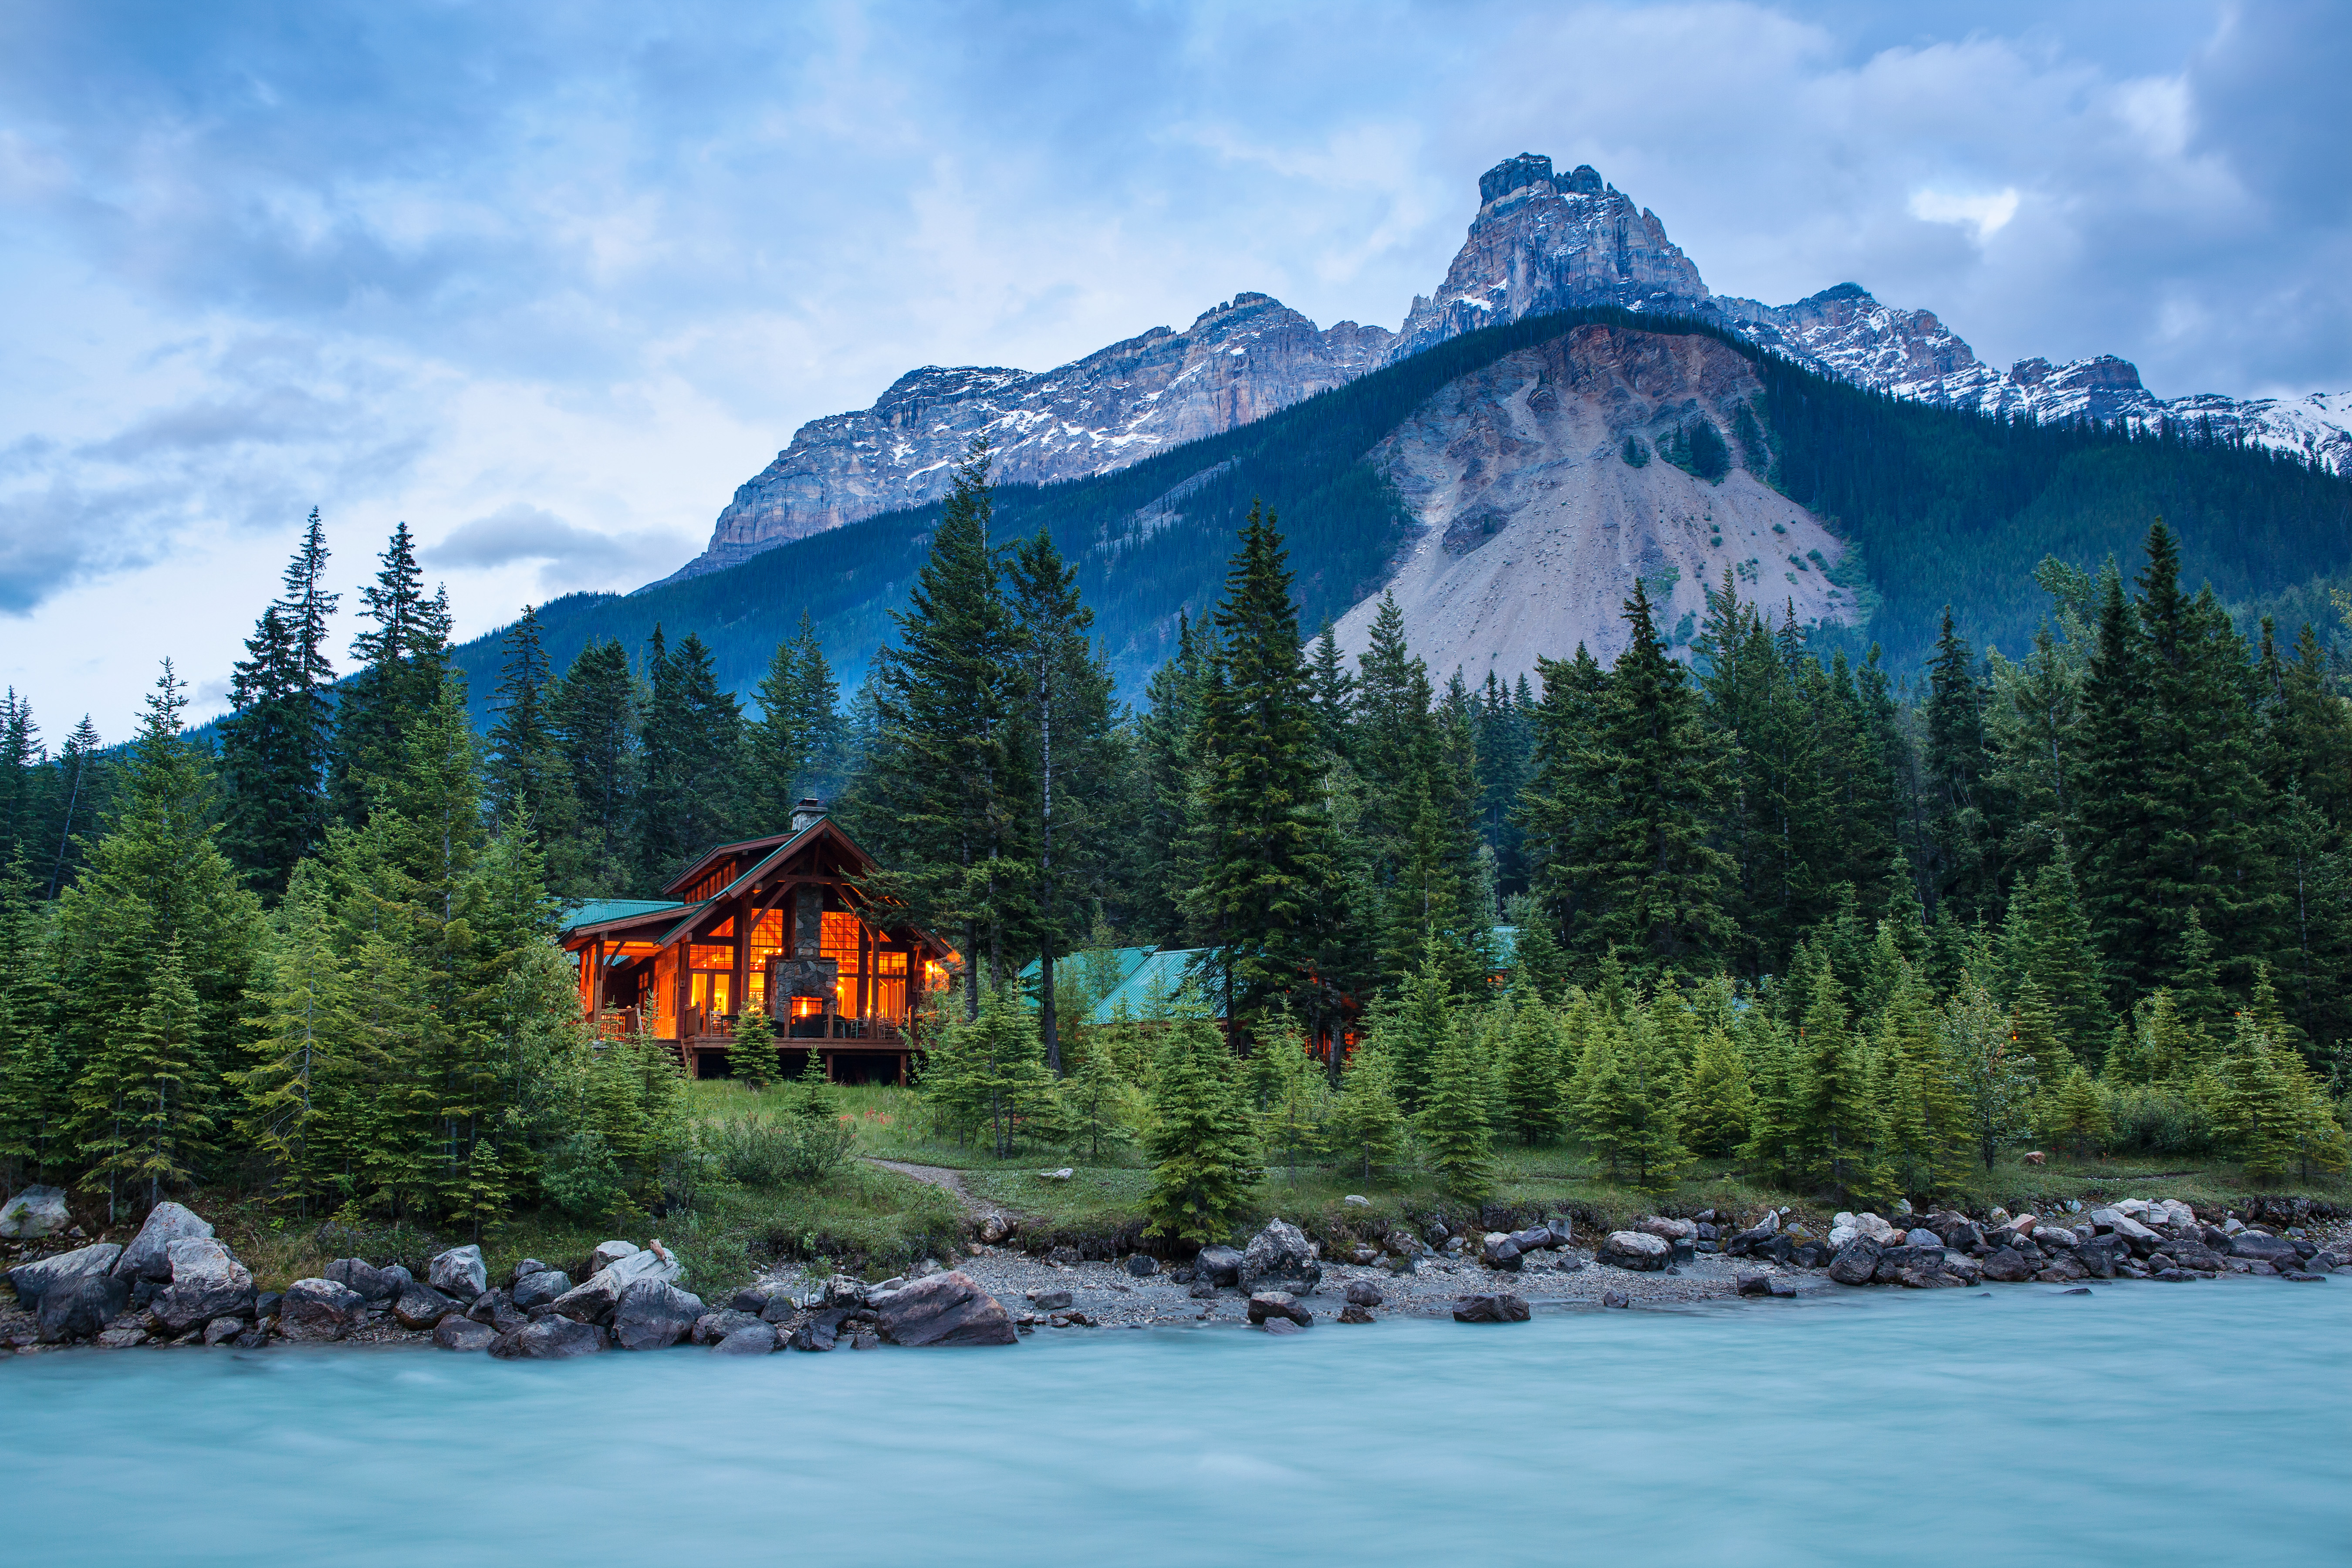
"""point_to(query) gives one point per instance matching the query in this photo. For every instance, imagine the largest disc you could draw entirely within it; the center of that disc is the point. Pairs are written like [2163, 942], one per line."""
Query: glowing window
[712, 957]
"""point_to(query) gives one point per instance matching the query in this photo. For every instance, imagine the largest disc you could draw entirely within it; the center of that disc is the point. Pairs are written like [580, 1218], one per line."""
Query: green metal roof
[1153, 982]
[596, 911]
[1506, 947]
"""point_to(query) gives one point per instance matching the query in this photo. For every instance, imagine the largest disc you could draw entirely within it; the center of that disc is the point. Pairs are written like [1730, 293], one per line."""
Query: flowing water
[2142, 1423]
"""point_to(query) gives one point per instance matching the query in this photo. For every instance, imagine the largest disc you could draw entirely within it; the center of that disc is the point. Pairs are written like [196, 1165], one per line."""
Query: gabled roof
[1156, 977]
[612, 911]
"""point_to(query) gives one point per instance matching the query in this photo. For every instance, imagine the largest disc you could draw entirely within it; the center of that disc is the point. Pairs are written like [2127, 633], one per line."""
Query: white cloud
[1987, 214]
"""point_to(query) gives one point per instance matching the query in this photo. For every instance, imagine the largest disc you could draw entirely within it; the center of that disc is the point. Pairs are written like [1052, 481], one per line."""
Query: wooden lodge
[776, 924]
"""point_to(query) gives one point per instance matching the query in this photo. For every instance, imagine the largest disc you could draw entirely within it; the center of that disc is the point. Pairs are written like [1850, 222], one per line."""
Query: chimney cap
[808, 809]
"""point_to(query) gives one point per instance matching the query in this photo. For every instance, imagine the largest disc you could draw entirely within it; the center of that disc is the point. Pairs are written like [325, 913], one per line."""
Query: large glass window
[890, 987]
[767, 941]
[841, 937]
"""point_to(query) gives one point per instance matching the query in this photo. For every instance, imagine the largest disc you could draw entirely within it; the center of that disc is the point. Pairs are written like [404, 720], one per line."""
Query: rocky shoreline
[176, 1284]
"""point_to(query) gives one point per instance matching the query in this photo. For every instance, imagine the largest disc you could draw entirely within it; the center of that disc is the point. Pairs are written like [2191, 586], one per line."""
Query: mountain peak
[1513, 175]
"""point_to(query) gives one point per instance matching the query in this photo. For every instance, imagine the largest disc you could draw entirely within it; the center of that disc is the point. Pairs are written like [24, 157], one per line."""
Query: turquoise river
[2142, 1423]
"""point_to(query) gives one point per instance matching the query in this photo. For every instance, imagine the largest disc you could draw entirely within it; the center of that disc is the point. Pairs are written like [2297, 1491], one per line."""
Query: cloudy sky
[549, 281]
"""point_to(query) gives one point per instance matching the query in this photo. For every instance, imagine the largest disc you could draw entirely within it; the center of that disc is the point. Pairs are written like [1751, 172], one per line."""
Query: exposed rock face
[1239, 362]
[1534, 526]
[1542, 242]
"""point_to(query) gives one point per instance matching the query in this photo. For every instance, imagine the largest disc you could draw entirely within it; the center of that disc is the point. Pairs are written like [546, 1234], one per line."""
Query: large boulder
[318, 1309]
[1536, 1238]
[2275, 1251]
[460, 1272]
[1636, 1249]
[550, 1339]
[33, 1280]
[1666, 1229]
[80, 1307]
[1266, 1304]
[946, 1308]
[1217, 1266]
[456, 1332]
[2008, 1266]
[2117, 1221]
[593, 1300]
[1364, 1293]
[538, 1288]
[1856, 1262]
[35, 1213]
[207, 1282]
[423, 1307]
[607, 1253]
[1845, 1226]
[149, 1255]
[712, 1327]
[755, 1338]
[2194, 1256]
[653, 1314]
[1500, 1251]
[1501, 1308]
[373, 1285]
[1280, 1257]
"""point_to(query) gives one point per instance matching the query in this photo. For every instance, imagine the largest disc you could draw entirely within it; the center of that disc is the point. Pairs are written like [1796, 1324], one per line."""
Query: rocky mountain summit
[1238, 363]
[1541, 241]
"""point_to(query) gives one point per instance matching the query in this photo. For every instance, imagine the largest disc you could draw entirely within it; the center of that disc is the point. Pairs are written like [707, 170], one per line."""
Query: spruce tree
[594, 713]
[1713, 1111]
[2257, 1106]
[1774, 1144]
[34, 1092]
[1456, 1120]
[301, 1105]
[1531, 1070]
[692, 759]
[1205, 1154]
[1655, 886]
[403, 656]
[278, 746]
[527, 776]
[1952, 770]
[795, 749]
[143, 1101]
[2077, 1118]
[946, 782]
[751, 1049]
[1269, 870]
[1842, 1121]
[1994, 1078]
[1367, 1126]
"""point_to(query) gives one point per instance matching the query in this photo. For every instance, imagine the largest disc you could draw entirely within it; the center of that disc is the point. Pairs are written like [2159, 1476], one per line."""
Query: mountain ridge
[1541, 241]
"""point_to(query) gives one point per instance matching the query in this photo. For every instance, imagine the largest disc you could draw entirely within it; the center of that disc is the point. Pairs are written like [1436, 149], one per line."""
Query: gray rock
[1056, 1300]
[423, 1307]
[712, 1327]
[1617, 1298]
[35, 1213]
[755, 1338]
[653, 1314]
[1278, 1326]
[221, 1329]
[1636, 1249]
[1202, 1291]
[1667, 1229]
[754, 1297]
[460, 1272]
[551, 1339]
[2275, 1251]
[81, 1306]
[2194, 1256]
[460, 1334]
[497, 1309]
[1266, 1304]
[371, 1283]
[526, 1266]
[819, 1335]
[149, 1255]
[1355, 1314]
[1494, 1309]
[1920, 1236]
[1364, 1293]
[593, 1300]
[1142, 1265]
[844, 1290]
[539, 1286]
[318, 1309]
[607, 1253]
[948, 1309]
[265, 1306]
[1754, 1285]
[1279, 1257]
[1218, 1265]
[2008, 1266]
[33, 1280]
[207, 1282]
[120, 1337]
[1500, 1252]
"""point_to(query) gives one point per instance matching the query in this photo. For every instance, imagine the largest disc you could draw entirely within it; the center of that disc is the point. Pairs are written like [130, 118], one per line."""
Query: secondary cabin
[776, 924]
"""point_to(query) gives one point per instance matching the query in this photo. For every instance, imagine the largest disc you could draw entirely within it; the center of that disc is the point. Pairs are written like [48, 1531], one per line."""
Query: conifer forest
[1852, 930]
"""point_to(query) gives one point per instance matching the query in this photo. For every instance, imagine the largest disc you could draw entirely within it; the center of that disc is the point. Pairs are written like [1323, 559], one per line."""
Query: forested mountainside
[1927, 506]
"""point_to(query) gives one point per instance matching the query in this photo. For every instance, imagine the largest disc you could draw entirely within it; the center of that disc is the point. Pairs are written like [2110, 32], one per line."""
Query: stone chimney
[807, 813]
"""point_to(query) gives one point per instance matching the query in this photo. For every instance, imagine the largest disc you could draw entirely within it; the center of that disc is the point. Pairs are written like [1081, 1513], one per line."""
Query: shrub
[754, 1151]
[2152, 1118]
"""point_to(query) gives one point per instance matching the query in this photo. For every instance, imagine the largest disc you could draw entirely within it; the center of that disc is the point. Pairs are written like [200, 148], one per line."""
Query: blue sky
[549, 281]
